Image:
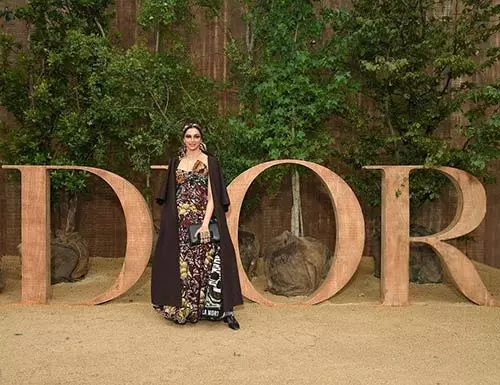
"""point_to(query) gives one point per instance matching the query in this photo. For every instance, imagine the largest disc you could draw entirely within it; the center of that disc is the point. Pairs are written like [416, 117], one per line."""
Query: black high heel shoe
[231, 322]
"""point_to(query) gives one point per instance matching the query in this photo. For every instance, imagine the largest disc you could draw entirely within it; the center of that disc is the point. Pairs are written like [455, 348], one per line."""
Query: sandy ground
[351, 339]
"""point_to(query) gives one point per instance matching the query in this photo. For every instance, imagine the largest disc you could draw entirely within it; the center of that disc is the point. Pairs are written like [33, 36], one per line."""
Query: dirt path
[351, 339]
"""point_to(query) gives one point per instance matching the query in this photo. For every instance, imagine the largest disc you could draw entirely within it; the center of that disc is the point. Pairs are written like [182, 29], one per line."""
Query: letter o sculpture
[350, 230]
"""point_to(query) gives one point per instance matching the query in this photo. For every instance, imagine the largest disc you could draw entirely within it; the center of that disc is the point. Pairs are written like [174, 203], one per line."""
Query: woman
[193, 281]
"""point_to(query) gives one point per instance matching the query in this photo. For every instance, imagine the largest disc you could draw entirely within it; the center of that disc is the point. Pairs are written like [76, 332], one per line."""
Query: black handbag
[213, 228]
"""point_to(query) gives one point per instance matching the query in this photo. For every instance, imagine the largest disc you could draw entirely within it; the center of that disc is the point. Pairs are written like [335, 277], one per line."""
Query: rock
[249, 251]
[295, 265]
[69, 257]
[425, 266]
[63, 263]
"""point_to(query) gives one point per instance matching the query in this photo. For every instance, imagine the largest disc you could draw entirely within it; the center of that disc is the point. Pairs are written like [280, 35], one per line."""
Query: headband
[192, 125]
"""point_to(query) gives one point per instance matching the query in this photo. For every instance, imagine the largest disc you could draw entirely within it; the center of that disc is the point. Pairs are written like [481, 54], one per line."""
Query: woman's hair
[192, 125]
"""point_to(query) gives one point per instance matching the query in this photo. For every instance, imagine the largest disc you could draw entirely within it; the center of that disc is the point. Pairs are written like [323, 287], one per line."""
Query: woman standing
[193, 280]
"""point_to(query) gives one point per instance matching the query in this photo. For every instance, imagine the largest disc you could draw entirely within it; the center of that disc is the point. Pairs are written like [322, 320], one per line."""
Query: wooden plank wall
[101, 220]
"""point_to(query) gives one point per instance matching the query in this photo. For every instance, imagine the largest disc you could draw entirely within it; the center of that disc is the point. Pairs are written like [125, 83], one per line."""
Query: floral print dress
[196, 262]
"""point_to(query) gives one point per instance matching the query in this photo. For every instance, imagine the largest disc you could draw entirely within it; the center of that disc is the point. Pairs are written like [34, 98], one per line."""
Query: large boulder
[425, 266]
[69, 257]
[249, 251]
[294, 265]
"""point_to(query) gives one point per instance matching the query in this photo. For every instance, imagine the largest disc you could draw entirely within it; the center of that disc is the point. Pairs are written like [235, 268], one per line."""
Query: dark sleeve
[161, 196]
[224, 197]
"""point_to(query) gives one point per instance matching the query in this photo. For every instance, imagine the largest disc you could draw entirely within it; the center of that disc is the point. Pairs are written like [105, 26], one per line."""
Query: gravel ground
[351, 339]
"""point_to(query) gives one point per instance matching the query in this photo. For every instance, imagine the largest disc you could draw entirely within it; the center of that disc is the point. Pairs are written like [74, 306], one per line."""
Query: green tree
[47, 83]
[170, 81]
[292, 78]
[145, 99]
[168, 19]
[418, 63]
[79, 100]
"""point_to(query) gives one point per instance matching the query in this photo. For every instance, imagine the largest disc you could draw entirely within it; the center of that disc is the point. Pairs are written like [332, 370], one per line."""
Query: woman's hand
[204, 234]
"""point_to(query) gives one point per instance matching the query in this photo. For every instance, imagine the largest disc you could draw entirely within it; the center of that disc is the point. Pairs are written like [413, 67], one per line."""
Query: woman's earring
[203, 147]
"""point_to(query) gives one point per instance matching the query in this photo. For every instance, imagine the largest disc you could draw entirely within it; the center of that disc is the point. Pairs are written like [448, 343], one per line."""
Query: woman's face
[192, 139]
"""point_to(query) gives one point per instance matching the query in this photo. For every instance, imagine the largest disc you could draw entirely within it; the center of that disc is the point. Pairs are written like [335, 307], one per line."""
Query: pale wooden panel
[35, 233]
[139, 225]
[395, 235]
[35, 214]
[350, 232]
[471, 209]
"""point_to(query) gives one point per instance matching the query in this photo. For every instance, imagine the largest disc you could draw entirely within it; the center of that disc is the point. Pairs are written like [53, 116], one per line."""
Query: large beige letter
[396, 239]
[35, 238]
[35, 233]
[350, 230]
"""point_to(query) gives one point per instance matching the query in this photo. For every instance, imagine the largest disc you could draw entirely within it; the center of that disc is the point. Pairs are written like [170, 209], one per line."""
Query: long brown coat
[165, 277]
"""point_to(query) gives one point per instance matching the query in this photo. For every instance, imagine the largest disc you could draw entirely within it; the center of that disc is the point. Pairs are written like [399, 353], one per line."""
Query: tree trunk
[157, 42]
[71, 214]
[297, 223]
[101, 30]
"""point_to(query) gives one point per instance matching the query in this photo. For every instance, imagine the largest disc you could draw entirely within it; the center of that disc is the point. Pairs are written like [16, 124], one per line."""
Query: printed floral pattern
[195, 261]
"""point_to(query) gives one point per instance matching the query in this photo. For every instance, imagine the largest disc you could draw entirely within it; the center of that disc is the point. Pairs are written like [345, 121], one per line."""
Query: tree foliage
[170, 18]
[419, 65]
[292, 78]
[47, 85]
[84, 101]
[79, 100]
